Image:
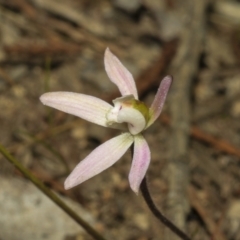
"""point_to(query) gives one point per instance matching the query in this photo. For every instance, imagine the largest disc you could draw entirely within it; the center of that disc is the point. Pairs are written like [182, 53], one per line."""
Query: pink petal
[159, 99]
[140, 163]
[99, 159]
[119, 75]
[84, 106]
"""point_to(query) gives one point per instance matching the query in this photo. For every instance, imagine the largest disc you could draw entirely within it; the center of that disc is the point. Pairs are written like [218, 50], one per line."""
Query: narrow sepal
[119, 75]
[99, 159]
[140, 162]
[158, 102]
[84, 106]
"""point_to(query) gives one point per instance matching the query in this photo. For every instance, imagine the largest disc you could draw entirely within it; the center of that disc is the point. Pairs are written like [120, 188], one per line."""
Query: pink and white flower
[126, 111]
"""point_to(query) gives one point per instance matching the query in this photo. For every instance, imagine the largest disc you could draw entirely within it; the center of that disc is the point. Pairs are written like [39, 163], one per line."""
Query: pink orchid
[127, 111]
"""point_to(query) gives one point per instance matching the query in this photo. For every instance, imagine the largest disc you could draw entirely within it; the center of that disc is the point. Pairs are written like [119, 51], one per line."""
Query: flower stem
[50, 194]
[148, 199]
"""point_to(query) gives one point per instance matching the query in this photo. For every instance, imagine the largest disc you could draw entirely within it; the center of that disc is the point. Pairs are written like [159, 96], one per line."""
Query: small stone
[232, 223]
[141, 221]
[19, 91]
[233, 86]
[235, 109]
[130, 6]
[79, 133]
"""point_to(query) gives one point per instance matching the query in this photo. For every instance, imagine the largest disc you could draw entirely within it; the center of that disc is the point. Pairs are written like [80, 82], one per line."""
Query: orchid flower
[126, 111]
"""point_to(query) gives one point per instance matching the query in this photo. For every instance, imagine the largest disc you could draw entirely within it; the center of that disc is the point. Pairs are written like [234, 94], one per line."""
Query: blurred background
[194, 176]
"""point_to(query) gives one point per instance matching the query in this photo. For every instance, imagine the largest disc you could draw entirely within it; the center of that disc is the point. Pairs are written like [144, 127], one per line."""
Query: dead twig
[211, 226]
[43, 50]
[218, 143]
[184, 67]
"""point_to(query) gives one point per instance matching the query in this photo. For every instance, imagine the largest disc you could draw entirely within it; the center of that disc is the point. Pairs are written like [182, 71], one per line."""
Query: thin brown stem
[155, 211]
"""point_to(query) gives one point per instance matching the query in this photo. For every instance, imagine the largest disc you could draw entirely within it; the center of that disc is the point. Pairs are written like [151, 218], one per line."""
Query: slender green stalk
[50, 149]
[50, 194]
[48, 62]
[46, 87]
